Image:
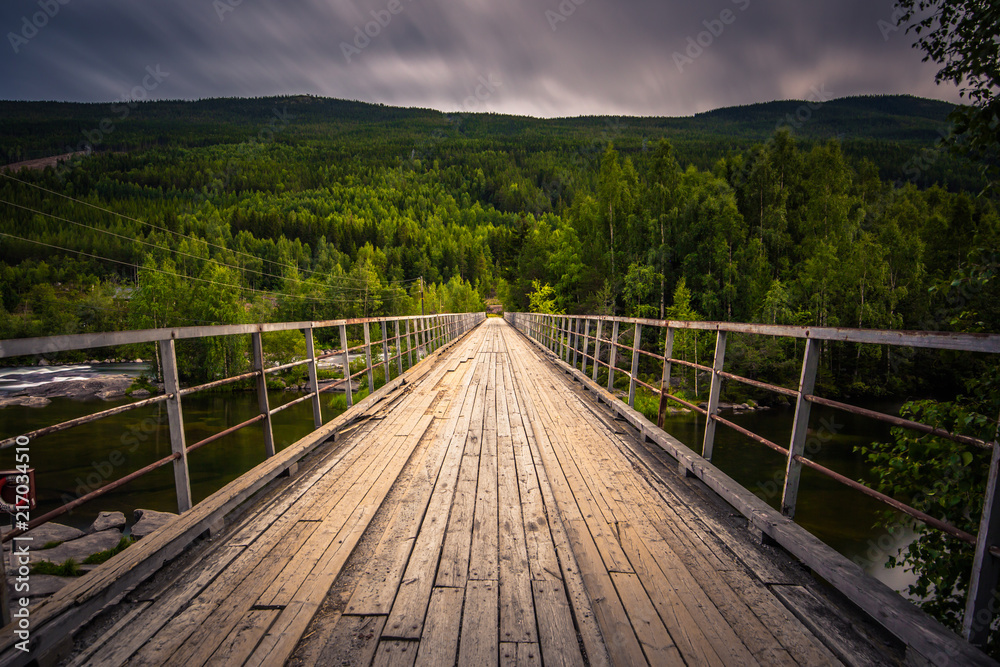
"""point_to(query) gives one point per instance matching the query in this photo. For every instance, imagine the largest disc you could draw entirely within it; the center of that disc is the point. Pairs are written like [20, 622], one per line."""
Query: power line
[158, 247]
[170, 231]
[177, 275]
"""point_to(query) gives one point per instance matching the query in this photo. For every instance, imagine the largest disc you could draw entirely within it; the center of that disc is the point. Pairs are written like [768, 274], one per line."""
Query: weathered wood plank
[580, 604]
[479, 643]
[688, 632]
[556, 634]
[656, 641]
[395, 653]
[439, 640]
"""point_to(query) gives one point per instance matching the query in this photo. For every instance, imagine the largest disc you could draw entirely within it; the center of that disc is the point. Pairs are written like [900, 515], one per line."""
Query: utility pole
[421, 296]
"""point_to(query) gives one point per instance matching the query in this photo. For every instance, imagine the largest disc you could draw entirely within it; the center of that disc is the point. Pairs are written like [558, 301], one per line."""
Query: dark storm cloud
[538, 57]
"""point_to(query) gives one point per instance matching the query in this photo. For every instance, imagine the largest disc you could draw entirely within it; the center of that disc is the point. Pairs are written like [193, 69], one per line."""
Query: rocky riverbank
[96, 387]
[54, 545]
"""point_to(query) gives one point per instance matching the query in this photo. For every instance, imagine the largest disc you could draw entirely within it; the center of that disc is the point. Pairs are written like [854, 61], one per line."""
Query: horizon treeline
[294, 226]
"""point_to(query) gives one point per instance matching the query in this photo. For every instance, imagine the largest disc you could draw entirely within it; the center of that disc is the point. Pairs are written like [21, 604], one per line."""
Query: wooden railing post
[385, 349]
[564, 339]
[713, 395]
[597, 349]
[399, 351]
[576, 340]
[613, 356]
[317, 405]
[368, 358]
[349, 389]
[979, 604]
[636, 345]
[800, 426]
[586, 346]
[668, 353]
[265, 408]
[409, 344]
[175, 420]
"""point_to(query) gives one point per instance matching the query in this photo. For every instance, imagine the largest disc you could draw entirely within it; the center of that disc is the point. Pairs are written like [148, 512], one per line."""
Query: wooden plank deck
[486, 514]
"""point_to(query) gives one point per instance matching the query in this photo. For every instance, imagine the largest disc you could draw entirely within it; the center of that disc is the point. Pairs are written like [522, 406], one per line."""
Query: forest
[303, 208]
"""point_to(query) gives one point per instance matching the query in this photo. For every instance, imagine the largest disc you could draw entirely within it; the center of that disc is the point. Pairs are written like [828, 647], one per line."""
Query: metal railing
[403, 341]
[579, 340]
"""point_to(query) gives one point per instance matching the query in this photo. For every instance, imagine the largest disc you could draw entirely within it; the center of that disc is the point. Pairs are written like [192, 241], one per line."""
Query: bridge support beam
[175, 420]
[800, 426]
[713, 395]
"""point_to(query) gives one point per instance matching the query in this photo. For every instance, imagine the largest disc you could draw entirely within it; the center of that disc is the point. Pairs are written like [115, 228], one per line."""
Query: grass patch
[102, 556]
[52, 544]
[67, 569]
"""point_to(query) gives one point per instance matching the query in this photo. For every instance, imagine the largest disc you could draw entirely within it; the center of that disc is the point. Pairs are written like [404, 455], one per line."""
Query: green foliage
[541, 299]
[102, 556]
[963, 37]
[141, 383]
[946, 480]
[68, 569]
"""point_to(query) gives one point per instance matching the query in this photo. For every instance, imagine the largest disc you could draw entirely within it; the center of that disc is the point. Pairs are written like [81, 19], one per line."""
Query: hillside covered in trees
[838, 213]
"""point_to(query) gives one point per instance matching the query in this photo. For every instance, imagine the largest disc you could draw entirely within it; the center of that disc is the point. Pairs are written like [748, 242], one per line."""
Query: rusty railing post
[713, 394]
[586, 346]
[800, 426]
[175, 420]
[313, 378]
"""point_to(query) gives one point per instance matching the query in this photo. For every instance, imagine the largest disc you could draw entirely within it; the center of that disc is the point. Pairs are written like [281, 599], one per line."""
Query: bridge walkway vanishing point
[487, 512]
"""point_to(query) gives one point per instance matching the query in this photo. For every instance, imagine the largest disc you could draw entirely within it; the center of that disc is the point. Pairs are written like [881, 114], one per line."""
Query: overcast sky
[534, 57]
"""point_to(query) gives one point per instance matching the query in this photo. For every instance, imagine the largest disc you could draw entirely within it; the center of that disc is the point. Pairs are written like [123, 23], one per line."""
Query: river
[69, 464]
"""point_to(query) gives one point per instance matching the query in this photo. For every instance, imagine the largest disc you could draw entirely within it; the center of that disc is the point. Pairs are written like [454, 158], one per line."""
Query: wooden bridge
[488, 507]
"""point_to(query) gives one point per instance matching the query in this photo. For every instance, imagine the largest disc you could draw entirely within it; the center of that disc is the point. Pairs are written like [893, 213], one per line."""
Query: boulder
[52, 532]
[107, 521]
[79, 549]
[24, 401]
[146, 521]
[43, 362]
